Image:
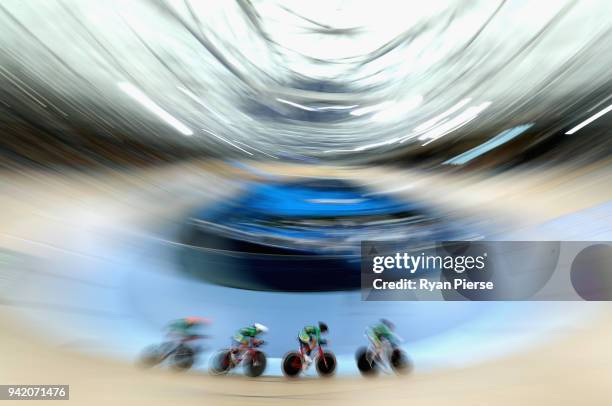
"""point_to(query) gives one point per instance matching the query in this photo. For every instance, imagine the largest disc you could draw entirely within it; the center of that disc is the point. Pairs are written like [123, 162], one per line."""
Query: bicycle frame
[170, 347]
[320, 353]
[249, 351]
[380, 354]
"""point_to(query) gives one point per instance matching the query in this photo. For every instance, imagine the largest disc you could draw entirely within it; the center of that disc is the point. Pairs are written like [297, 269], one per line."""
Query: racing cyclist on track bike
[309, 337]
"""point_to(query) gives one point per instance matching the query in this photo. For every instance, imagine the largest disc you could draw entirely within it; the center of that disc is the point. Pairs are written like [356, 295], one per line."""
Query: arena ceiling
[320, 79]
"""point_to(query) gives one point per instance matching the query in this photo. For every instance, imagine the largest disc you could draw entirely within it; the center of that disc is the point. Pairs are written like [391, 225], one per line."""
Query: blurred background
[162, 159]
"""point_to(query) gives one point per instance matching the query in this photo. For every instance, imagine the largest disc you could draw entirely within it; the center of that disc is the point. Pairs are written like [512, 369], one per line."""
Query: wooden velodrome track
[572, 367]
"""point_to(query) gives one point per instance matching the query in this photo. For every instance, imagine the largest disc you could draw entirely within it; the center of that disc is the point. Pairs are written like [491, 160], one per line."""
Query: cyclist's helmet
[388, 324]
[260, 328]
[195, 320]
[323, 327]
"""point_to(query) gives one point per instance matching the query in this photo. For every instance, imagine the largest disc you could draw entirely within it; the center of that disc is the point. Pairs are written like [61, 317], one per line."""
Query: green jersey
[248, 331]
[381, 332]
[245, 334]
[181, 327]
[309, 332]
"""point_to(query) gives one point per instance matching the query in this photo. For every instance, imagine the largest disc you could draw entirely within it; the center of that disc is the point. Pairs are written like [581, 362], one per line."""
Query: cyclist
[383, 331]
[309, 338]
[185, 329]
[248, 335]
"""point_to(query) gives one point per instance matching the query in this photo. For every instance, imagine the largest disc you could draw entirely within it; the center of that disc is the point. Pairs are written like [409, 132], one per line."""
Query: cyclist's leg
[304, 340]
[240, 342]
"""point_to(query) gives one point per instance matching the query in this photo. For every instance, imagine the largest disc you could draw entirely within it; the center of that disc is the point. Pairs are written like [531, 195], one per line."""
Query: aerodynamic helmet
[193, 320]
[260, 328]
[323, 327]
[388, 324]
